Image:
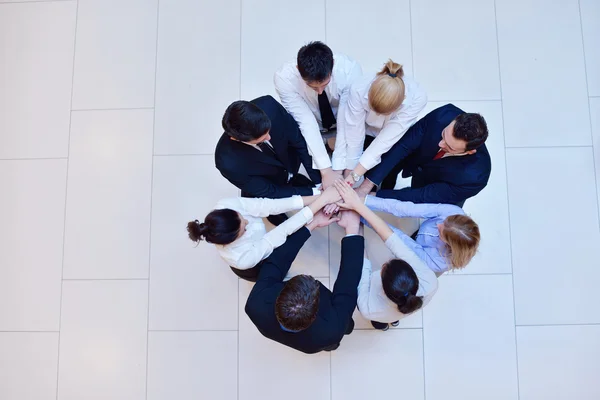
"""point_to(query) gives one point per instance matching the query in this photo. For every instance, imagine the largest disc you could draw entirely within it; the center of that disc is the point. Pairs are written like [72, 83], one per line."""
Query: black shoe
[380, 326]
[350, 327]
[395, 323]
[332, 348]
[277, 219]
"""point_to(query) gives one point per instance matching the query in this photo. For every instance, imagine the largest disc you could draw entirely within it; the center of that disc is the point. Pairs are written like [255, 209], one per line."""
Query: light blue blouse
[428, 246]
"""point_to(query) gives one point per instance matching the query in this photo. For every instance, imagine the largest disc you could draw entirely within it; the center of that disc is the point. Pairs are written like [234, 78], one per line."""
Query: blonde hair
[461, 235]
[387, 90]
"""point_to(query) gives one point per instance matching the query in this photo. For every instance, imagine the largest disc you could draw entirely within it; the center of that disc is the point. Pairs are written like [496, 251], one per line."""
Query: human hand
[330, 196]
[320, 220]
[350, 221]
[349, 179]
[351, 199]
[328, 176]
[331, 208]
[365, 188]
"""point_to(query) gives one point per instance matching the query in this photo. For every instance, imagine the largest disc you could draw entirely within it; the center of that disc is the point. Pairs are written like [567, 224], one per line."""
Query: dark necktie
[327, 117]
[267, 149]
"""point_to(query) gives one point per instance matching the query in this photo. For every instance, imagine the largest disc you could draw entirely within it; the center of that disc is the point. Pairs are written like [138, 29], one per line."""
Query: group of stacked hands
[442, 159]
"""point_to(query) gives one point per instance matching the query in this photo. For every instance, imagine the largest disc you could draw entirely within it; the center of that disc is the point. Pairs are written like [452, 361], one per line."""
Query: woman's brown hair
[387, 90]
[461, 235]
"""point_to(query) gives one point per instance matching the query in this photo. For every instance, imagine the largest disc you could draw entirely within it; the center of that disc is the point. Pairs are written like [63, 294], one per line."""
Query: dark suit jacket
[449, 180]
[335, 309]
[261, 175]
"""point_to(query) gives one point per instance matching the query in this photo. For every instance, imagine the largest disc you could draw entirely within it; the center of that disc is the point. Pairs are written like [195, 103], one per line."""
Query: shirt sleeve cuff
[351, 164]
[298, 202]
[307, 214]
[368, 162]
[338, 164]
[316, 191]
[321, 162]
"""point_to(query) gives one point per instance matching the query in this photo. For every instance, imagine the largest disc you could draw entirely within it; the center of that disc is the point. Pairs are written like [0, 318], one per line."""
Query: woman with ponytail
[446, 240]
[382, 107]
[237, 230]
[404, 284]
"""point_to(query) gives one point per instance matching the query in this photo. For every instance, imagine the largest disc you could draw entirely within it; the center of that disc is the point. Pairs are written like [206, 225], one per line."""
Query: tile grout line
[512, 275]
[412, 47]
[183, 155]
[240, 69]
[587, 88]
[192, 330]
[414, 73]
[36, 1]
[464, 100]
[30, 332]
[238, 292]
[238, 343]
[62, 268]
[548, 147]
[112, 109]
[34, 158]
[555, 325]
[423, 353]
[325, 18]
[151, 196]
[104, 279]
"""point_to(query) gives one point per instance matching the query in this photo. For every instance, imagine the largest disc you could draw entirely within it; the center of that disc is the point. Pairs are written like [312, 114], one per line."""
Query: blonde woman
[382, 107]
[447, 239]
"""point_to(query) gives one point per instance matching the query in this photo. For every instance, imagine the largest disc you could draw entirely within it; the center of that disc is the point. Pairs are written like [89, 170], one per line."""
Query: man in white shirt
[315, 91]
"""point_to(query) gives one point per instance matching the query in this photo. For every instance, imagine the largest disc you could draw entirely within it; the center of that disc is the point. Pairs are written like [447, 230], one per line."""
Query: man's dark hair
[298, 302]
[472, 129]
[245, 121]
[315, 62]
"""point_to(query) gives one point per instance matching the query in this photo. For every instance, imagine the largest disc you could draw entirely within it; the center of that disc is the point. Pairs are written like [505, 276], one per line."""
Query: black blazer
[261, 175]
[449, 180]
[335, 309]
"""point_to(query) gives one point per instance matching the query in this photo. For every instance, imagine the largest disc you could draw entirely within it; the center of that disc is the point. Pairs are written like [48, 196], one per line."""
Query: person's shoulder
[359, 89]
[343, 62]
[448, 111]
[268, 104]
[287, 75]
[223, 146]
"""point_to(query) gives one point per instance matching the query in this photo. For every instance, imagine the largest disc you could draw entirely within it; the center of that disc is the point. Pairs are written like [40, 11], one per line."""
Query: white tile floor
[109, 113]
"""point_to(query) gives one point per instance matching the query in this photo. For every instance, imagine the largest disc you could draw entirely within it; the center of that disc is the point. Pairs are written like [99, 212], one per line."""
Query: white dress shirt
[256, 244]
[372, 301]
[359, 120]
[302, 102]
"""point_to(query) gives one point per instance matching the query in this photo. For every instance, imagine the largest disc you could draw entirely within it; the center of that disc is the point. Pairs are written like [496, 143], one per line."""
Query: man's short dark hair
[297, 305]
[245, 121]
[471, 128]
[315, 62]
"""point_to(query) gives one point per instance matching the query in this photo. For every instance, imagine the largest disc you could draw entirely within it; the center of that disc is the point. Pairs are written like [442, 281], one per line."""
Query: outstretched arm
[352, 201]
[434, 193]
[407, 209]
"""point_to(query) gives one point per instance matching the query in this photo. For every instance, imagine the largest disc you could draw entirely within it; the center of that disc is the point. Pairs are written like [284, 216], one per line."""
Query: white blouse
[256, 244]
[372, 301]
[360, 120]
[302, 101]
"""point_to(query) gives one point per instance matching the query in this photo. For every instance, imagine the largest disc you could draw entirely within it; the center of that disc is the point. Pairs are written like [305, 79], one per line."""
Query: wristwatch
[355, 176]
